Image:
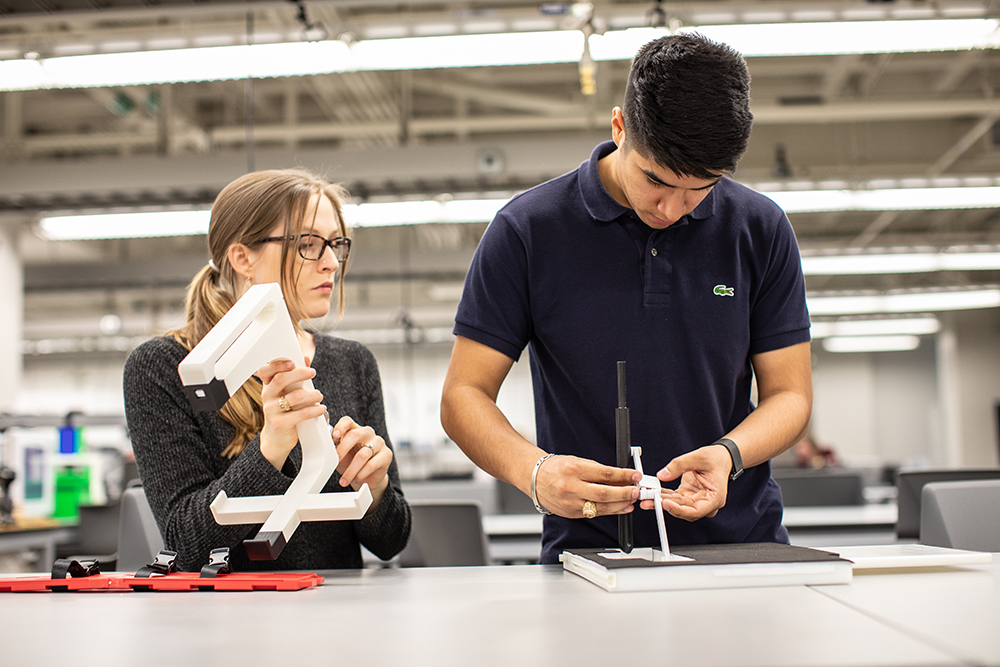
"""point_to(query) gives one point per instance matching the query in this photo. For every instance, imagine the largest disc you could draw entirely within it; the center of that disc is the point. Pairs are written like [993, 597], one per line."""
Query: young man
[645, 254]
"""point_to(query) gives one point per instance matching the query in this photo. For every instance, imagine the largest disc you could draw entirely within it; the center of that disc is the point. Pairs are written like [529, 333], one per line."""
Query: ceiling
[443, 132]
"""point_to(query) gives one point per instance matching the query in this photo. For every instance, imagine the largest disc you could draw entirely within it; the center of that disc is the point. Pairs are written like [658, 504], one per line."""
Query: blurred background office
[876, 129]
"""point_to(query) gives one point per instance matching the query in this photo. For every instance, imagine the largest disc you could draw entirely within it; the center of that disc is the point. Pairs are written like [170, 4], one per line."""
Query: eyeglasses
[312, 246]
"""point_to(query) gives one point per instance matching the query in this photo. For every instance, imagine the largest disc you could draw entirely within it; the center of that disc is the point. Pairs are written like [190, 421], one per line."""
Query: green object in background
[72, 488]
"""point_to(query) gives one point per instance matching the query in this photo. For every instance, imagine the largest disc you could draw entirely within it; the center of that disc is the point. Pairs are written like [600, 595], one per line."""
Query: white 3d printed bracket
[649, 489]
[255, 331]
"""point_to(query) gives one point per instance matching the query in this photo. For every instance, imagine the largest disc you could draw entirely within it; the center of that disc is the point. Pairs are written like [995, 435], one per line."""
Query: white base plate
[643, 553]
[908, 555]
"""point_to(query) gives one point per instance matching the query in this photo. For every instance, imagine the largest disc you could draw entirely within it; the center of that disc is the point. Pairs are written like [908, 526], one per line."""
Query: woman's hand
[285, 405]
[364, 458]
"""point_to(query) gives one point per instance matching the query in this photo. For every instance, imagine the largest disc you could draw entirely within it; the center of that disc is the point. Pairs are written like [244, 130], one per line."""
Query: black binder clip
[218, 563]
[163, 565]
[74, 568]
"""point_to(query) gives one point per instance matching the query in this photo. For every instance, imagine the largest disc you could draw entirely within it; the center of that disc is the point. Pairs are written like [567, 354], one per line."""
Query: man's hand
[704, 475]
[565, 483]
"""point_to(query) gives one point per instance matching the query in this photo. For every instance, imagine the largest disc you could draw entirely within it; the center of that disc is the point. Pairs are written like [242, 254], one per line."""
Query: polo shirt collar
[602, 206]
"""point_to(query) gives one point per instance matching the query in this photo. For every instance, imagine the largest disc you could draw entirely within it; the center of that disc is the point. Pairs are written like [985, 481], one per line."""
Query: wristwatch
[734, 453]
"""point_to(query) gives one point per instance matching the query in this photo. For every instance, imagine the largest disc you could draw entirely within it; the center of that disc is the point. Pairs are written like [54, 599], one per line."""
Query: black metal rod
[621, 384]
[623, 442]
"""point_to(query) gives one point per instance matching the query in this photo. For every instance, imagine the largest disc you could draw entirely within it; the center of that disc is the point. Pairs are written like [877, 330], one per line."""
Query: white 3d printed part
[255, 331]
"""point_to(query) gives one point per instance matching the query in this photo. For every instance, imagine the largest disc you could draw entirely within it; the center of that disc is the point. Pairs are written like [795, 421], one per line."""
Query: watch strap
[734, 454]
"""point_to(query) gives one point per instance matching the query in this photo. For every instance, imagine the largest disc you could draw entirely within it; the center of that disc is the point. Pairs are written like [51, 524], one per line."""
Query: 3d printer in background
[60, 464]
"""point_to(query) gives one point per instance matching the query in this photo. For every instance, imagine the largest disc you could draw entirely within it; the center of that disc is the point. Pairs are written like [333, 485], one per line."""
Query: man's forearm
[778, 423]
[472, 419]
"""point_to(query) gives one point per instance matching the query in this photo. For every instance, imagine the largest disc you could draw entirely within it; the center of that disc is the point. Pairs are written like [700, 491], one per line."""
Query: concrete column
[979, 393]
[163, 137]
[12, 317]
[948, 452]
[13, 127]
[291, 114]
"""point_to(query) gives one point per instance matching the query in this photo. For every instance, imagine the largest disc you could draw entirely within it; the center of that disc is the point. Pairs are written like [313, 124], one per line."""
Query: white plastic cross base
[314, 507]
[642, 553]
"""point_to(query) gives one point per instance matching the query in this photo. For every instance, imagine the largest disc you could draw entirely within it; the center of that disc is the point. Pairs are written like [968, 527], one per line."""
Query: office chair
[139, 538]
[482, 492]
[816, 488]
[445, 534]
[961, 515]
[130, 472]
[97, 534]
[909, 490]
[511, 500]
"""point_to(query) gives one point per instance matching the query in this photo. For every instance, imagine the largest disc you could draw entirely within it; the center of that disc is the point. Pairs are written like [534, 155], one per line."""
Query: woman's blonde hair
[246, 212]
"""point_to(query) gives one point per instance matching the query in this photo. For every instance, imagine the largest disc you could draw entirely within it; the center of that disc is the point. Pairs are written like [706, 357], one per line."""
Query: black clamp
[164, 564]
[75, 568]
[218, 563]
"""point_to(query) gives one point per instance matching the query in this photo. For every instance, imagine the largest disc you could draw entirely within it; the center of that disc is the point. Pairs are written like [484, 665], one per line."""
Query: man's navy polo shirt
[577, 278]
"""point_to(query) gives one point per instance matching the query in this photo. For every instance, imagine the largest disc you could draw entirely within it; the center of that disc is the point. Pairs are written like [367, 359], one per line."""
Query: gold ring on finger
[284, 405]
[589, 509]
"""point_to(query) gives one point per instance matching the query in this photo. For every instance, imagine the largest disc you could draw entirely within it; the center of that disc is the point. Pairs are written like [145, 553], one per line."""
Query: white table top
[512, 524]
[955, 610]
[882, 514]
[516, 615]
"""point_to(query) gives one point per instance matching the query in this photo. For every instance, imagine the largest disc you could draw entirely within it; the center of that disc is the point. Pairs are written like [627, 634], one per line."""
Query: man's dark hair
[687, 105]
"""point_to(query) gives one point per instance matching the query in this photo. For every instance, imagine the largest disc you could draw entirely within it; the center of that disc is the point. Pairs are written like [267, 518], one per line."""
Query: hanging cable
[248, 102]
[307, 25]
[583, 20]
[656, 17]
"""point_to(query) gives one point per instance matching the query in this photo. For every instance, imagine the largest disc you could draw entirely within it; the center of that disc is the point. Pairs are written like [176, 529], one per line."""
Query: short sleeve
[779, 316]
[495, 309]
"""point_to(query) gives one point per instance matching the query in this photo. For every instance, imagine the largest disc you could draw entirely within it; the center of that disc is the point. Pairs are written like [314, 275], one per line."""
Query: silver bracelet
[534, 475]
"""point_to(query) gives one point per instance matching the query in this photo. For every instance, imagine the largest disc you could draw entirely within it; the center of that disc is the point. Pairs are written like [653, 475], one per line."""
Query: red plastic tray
[178, 581]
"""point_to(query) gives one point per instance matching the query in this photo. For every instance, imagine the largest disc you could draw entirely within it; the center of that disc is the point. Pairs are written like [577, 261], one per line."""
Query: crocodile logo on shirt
[722, 290]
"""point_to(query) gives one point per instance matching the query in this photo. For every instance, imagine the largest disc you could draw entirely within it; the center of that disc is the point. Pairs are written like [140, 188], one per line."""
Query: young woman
[283, 226]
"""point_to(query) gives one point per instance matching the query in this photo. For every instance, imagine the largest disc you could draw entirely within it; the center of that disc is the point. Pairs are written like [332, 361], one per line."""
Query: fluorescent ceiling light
[909, 302]
[422, 212]
[891, 199]
[904, 262]
[481, 50]
[376, 214]
[184, 223]
[290, 59]
[912, 326]
[124, 225]
[857, 37]
[871, 344]
[819, 39]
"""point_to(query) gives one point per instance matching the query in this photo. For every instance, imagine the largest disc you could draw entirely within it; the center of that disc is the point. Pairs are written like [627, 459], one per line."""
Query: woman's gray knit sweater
[179, 455]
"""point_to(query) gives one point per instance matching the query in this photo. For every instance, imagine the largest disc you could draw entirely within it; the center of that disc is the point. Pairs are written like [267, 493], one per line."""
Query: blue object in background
[69, 440]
